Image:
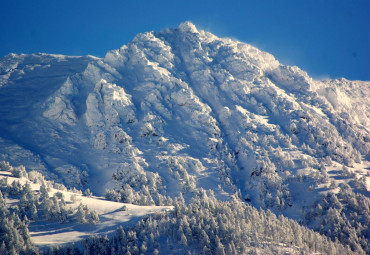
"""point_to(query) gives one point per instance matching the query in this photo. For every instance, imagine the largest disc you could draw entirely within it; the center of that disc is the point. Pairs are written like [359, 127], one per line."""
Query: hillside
[182, 110]
[42, 217]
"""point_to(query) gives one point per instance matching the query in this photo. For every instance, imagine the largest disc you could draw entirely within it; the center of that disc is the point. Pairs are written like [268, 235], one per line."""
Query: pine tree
[143, 248]
[33, 211]
[3, 249]
[44, 191]
[231, 249]
[72, 250]
[93, 217]
[219, 249]
[183, 240]
[87, 193]
[121, 236]
[206, 251]
[81, 214]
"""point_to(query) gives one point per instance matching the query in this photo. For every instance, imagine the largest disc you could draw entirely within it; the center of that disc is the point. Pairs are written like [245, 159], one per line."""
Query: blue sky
[326, 38]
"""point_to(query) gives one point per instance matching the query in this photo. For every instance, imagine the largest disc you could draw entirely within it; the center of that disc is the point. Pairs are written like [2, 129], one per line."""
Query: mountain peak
[183, 111]
[187, 26]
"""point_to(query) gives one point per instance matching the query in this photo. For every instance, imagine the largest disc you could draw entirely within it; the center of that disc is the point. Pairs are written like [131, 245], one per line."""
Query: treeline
[41, 206]
[344, 216]
[14, 235]
[28, 205]
[209, 226]
[203, 226]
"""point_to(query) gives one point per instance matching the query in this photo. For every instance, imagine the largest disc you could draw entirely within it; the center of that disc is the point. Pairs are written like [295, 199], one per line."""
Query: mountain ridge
[181, 111]
[182, 101]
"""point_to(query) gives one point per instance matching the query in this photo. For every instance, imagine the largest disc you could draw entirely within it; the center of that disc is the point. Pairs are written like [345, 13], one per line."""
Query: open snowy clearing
[111, 214]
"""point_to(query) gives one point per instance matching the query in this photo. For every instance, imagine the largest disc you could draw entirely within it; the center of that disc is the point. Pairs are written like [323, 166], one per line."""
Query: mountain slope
[180, 110]
[204, 225]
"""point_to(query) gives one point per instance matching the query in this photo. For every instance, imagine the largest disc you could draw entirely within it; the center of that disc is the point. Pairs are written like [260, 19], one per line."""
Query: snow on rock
[187, 27]
[112, 102]
[348, 98]
[120, 136]
[107, 108]
[71, 175]
[93, 115]
[100, 142]
[7, 67]
[291, 77]
[11, 152]
[59, 106]
[211, 110]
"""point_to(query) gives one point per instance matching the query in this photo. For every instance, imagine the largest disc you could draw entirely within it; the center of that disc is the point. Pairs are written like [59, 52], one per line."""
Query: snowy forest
[204, 225]
[181, 142]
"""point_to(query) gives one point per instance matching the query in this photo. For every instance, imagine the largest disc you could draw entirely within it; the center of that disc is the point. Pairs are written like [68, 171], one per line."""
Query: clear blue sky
[326, 38]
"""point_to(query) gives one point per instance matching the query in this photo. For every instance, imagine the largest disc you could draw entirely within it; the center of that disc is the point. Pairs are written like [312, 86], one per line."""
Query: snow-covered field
[111, 214]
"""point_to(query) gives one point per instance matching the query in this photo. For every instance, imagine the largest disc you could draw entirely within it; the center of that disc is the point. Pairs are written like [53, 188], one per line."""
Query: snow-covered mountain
[182, 109]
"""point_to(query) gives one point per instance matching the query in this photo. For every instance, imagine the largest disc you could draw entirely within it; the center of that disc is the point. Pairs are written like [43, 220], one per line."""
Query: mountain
[182, 110]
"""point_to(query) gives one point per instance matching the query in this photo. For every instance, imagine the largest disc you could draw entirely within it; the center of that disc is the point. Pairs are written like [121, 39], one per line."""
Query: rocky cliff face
[180, 110]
